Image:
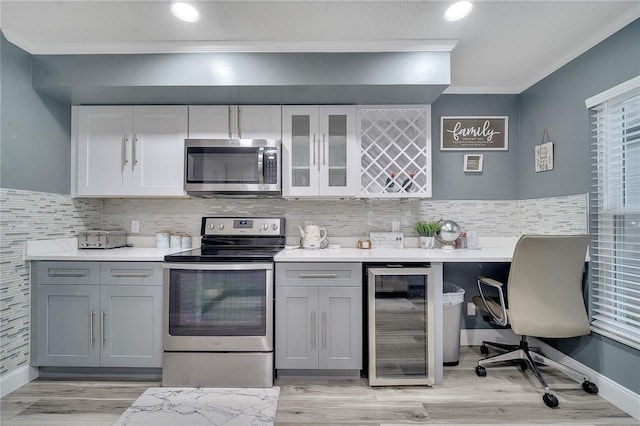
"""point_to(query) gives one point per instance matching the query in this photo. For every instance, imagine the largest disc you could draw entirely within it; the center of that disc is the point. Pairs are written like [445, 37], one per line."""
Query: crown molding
[160, 47]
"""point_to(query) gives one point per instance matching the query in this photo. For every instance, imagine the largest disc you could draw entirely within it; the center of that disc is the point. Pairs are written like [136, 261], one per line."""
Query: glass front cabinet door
[320, 151]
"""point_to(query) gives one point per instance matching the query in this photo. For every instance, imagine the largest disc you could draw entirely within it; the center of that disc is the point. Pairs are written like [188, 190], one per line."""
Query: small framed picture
[473, 163]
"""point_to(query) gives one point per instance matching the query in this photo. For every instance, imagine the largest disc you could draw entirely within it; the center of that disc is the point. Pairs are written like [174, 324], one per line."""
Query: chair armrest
[490, 281]
[502, 320]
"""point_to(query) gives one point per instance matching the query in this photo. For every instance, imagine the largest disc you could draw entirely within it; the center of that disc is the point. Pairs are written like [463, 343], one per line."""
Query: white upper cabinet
[235, 122]
[320, 151]
[128, 151]
[395, 150]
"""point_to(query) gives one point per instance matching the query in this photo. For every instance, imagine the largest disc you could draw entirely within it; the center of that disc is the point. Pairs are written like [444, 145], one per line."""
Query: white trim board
[16, 379]
[616, 394]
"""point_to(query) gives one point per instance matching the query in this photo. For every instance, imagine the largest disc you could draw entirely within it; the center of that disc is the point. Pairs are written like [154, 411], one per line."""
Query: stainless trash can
[452, 298]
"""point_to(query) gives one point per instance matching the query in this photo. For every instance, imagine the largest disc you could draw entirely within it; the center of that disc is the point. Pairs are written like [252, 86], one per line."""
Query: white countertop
[488, 254]
[66, 249]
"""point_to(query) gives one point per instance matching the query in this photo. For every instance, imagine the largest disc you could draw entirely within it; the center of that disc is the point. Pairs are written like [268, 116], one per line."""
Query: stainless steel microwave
[232, 166]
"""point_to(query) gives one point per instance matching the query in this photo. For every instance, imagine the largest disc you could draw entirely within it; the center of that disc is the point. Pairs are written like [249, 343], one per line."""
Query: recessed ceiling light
[458, 10]
[184, 12]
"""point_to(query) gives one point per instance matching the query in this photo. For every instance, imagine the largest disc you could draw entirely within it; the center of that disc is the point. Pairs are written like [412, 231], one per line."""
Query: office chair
[543, 299]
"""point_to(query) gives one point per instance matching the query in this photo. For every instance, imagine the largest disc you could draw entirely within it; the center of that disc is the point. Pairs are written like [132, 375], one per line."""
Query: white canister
[162, 239]
[186, 241]
[176, 240]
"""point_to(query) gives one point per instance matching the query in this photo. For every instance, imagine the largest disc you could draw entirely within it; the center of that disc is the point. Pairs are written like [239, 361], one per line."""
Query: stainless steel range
[218, 305]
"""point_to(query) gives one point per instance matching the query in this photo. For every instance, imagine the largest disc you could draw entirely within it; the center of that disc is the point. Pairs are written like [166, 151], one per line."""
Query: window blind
[615, 213]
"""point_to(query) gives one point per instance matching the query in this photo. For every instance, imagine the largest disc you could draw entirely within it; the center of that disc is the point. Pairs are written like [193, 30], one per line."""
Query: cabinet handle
[313, 330]
[324, 151]
[238, 124]
[125, 139]
[104, 338]
[73, 274]
[324, 331]
[130, 275]
[229, 121]
[318, 276]
[314, 149]
[133, 152]
[91, 336]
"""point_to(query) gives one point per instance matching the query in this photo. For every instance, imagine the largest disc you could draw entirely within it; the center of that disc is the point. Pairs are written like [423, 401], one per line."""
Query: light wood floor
[505, 396]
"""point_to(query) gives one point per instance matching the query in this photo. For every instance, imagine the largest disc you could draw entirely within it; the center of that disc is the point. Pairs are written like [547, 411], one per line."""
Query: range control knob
[221, 226]
[274, 226]
[211, 226]
[265, 226]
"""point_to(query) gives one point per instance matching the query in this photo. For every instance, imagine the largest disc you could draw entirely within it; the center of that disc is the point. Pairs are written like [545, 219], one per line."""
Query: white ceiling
[502, 47]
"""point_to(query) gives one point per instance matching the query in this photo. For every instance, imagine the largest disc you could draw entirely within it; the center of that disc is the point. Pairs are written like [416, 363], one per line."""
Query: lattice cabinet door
[395, 151]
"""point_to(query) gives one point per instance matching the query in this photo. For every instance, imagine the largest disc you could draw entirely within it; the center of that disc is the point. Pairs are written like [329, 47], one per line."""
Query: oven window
[222, 165]
[217, 303]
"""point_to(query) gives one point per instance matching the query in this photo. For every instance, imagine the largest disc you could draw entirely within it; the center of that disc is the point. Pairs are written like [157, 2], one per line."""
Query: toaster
[102, 239]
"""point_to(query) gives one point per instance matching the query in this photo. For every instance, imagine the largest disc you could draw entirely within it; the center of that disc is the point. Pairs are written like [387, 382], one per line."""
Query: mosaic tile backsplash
[32, 215]
[26, 215]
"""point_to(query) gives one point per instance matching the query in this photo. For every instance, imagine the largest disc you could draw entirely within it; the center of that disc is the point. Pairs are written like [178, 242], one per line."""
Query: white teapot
[312, 237]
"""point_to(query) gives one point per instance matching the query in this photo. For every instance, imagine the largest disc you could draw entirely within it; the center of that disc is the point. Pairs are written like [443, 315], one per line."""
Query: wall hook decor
[544, 153]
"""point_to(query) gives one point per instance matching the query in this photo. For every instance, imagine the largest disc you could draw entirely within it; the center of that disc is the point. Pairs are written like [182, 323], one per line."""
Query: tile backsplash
[30, 215]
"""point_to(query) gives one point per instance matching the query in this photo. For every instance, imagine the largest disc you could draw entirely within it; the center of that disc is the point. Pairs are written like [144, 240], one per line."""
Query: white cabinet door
[210, 122]
[237, 122]
[320, 152]
[340, 332]
[157, 161]
[103, 150]
[296, 328]
[338, 153]
[300, 166]
[67, 326]
[124, 151]
[131, 326]
[259, 122]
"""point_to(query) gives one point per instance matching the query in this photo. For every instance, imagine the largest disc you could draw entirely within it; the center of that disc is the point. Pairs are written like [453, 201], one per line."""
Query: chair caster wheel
[481, 371]
[550, 400]
[484, 350]
[523, 365]
[589, 387]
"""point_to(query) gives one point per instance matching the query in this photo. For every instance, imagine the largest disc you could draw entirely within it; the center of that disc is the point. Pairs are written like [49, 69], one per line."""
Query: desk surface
[489, 254]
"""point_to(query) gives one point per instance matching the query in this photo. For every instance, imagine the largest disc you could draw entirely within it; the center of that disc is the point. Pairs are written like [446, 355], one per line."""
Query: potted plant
[427, 231]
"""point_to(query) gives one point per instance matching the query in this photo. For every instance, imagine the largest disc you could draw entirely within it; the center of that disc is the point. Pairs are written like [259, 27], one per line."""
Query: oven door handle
[209, 266]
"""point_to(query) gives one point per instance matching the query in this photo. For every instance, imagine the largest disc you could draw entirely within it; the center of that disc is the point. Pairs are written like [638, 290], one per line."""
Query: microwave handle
[261, 165]
[229, 121]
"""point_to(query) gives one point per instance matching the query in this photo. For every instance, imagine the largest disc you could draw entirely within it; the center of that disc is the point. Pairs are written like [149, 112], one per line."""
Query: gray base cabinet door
[66, 326]
[296, 325]
[319, 328]
[131, 326]
[340, 337]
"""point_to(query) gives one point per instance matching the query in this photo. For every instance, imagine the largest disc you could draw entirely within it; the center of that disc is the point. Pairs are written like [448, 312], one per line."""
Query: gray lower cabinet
[318, 316]
[97, 314]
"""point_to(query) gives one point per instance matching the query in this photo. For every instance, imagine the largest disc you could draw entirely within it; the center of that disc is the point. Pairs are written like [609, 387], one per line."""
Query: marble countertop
[66, 249]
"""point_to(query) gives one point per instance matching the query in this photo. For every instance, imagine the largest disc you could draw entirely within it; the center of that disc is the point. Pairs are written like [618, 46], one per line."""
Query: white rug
[203, 406]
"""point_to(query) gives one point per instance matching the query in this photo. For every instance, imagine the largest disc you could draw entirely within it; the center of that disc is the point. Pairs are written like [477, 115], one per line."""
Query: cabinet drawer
[318, 274]
[131, 273]
[47, 273]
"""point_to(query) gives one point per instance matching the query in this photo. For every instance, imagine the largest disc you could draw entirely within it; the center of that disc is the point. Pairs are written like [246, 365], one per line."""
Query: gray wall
[35, 130]
[557, 104]
[499, 178]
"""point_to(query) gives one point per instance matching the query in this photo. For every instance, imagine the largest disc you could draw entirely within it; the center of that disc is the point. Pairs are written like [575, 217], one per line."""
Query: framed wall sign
[474, 133]
[473, 163]
[544, 154]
